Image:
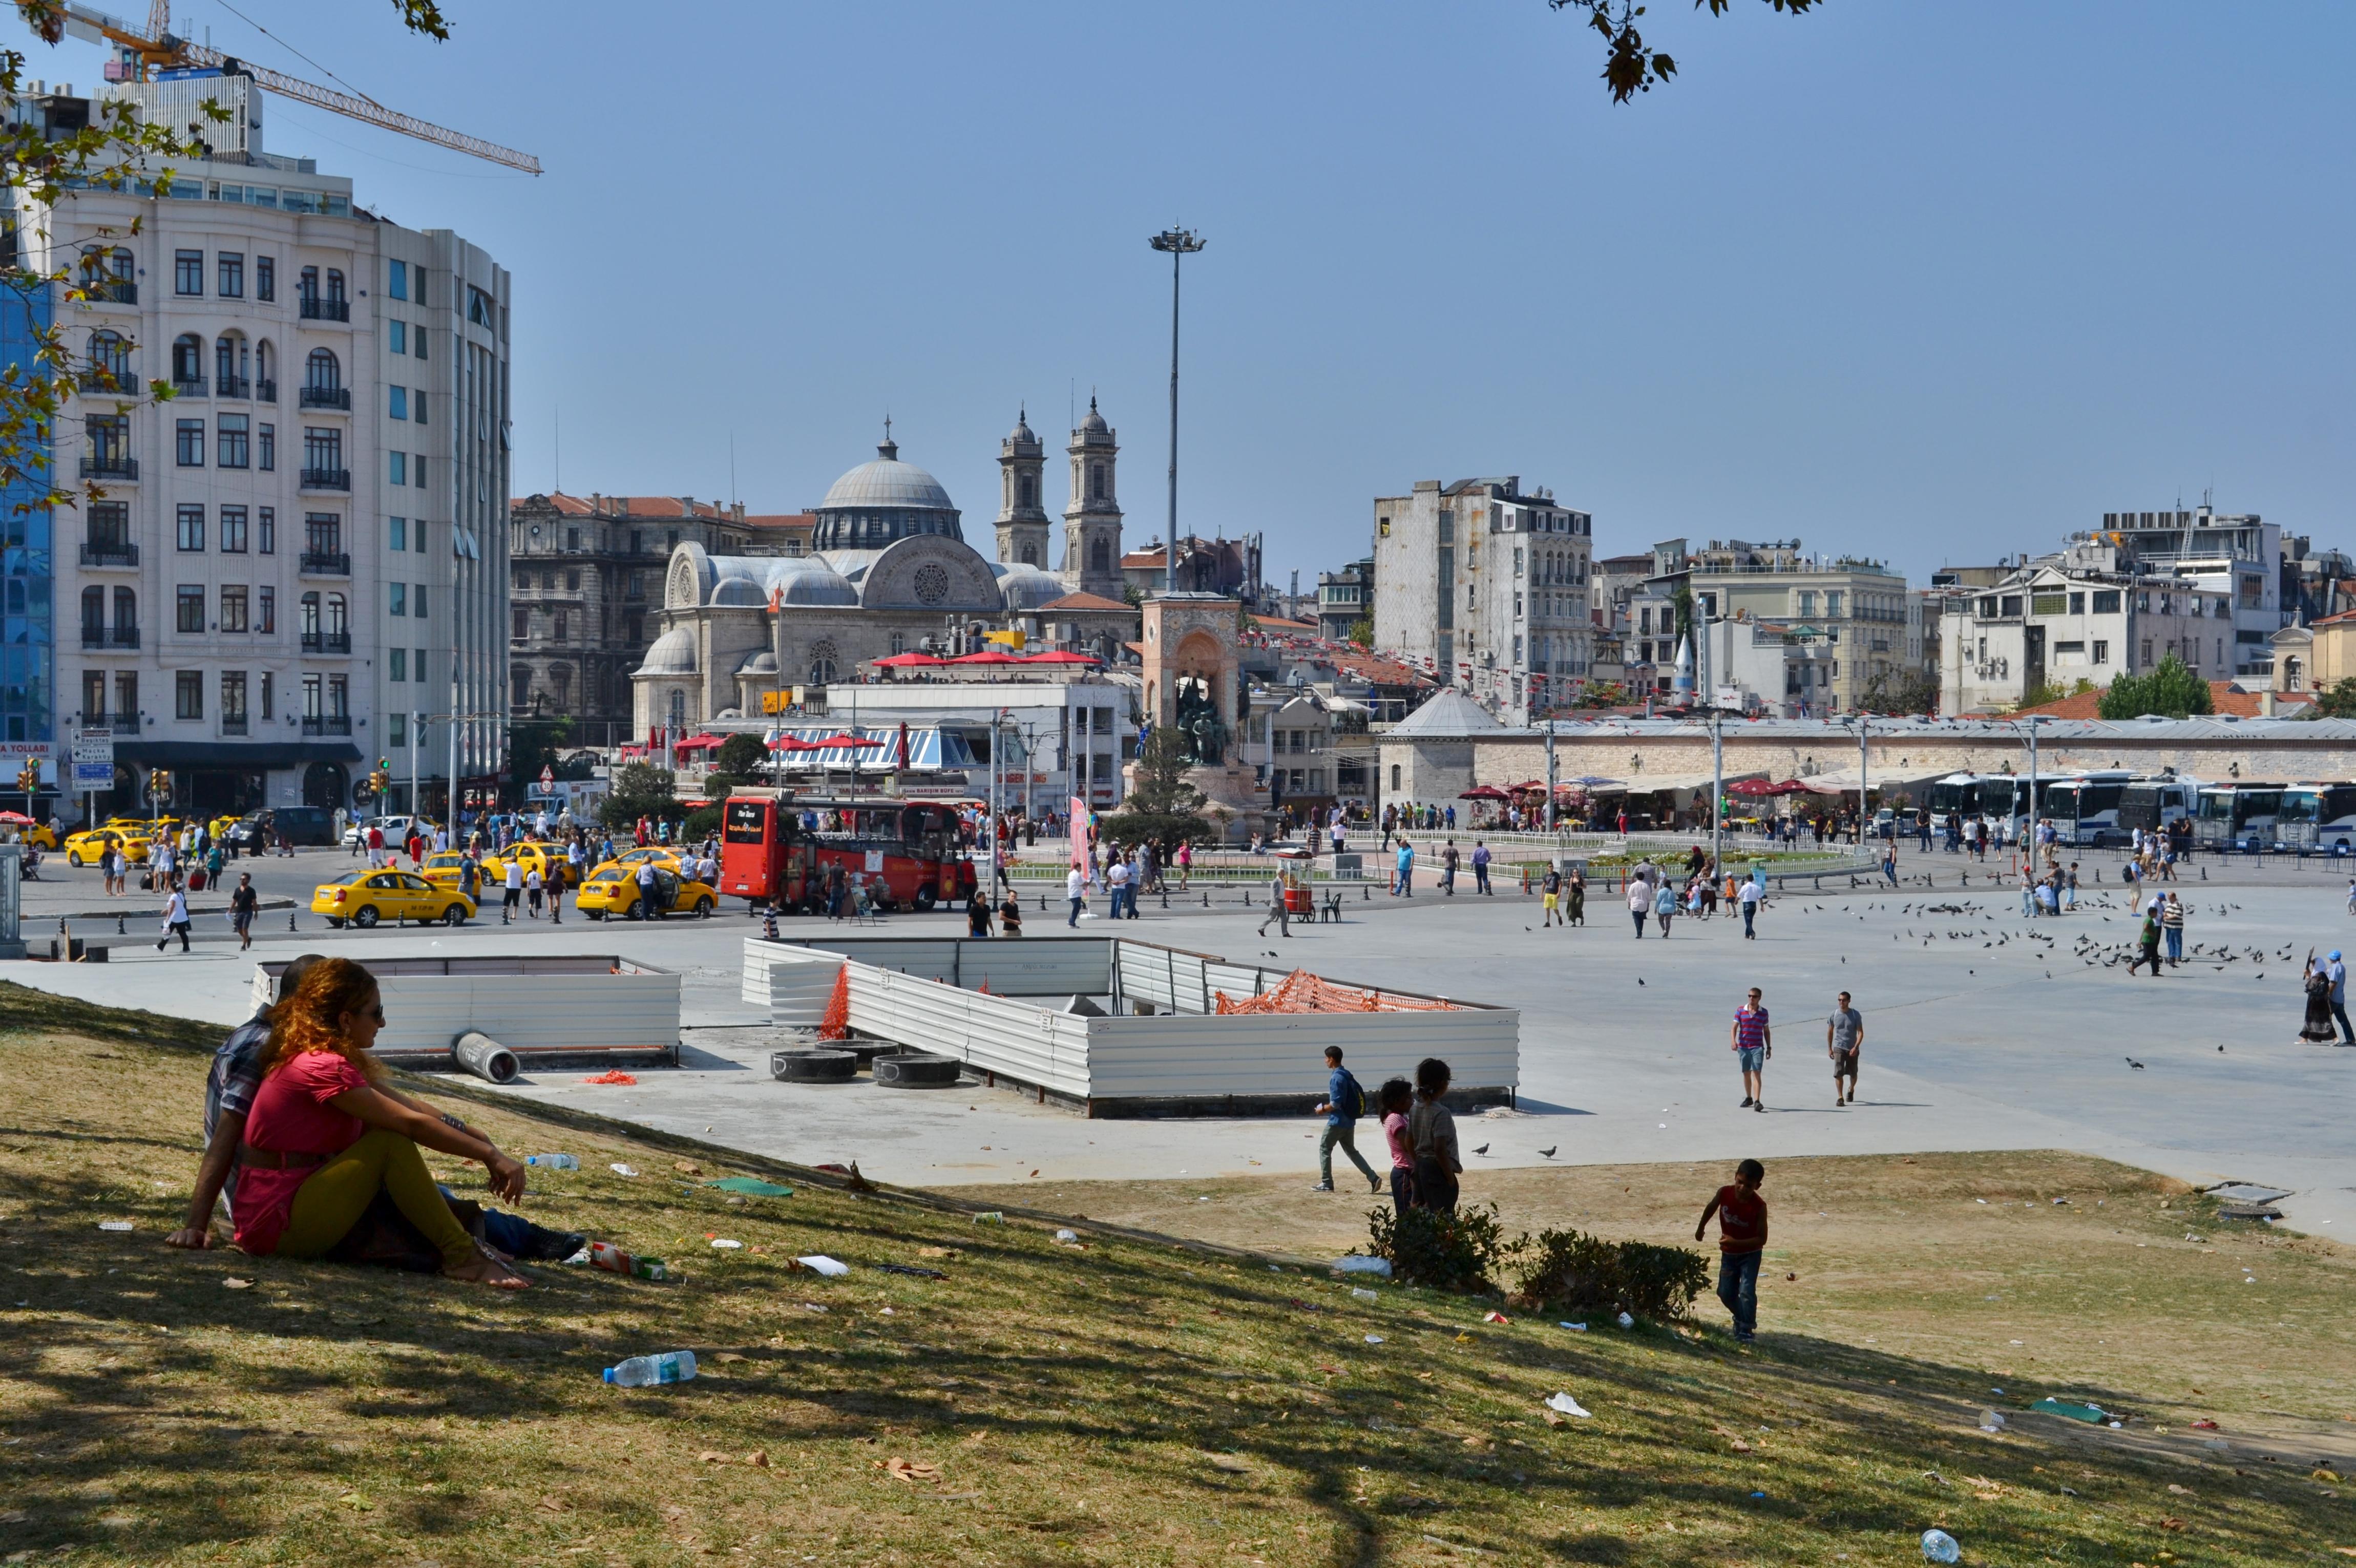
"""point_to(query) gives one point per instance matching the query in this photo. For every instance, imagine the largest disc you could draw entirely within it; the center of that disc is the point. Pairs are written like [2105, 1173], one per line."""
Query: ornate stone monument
[1193, 685]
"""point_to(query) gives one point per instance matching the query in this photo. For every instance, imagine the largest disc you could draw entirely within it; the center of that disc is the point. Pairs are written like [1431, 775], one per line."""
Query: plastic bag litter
[1374, 1339]
[752, 1188]
[1574, 1327]
[1569, 1406]
[819, 1262]
[114, 1224]
[622, 1170]
[721, 1244]
[1361, 1292]
[1355, 1264]
[2092, 1414]
[1627, 1321]
[1067, 1237]
[1938, 1546]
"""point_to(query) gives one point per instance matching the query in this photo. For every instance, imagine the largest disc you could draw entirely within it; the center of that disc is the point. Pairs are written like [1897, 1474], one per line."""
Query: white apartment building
[1485, 586]
[2076, 617]
[2235, 556]
[298, 567]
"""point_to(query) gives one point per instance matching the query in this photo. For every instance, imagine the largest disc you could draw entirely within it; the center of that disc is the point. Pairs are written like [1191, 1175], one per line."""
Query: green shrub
[1573, 1272]
[701, 822]
[1445, 1252]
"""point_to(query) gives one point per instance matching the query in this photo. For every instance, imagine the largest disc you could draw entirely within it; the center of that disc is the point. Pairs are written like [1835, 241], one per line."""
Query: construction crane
[143, 54]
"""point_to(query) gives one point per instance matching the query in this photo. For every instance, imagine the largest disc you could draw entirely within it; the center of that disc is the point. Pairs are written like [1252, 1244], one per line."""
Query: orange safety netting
[1302, 992]
[835, 1023]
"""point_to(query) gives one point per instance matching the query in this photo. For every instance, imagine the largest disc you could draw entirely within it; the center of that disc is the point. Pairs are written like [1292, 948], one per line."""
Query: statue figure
[1198, 720]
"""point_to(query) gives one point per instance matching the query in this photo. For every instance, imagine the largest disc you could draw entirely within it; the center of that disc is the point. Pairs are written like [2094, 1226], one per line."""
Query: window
[1831, 602]
[269, 694]
[322, 372]
[109, 362]
[265, 623]
[311, 697]
[233, 700]
[2012, 603]
[572, 580]
[188, 274]
[189, 694]
[397, 337]
[2047, 603]
[310, 616]
[192, 527]
[1807, 601]
[2106, 603]
[398, 593]
[265, 448]
[230, 275]
[110, 527]
[396, 727]
[1988, 609]
[265, 284]
[323, 449]
[1395, 776]
[417, 401]
[417, 536]
[521, 631]
[478, 307]
[1382, 530]
[397, 403]
[335, 285]
[232, 441]
[339, 617]
[232, 530]
[417, 602]
[339, 698]
[396, 664]
[268, 544]
[94, 697]
[232, 607]
[417, 338]
[229, 366]
[396, 533]
[323, 533]
[1096, 481]
[558, 627]
[418, 666]
[189, 608]
[190, 449]
[397, 466]
[417, 470]
[396, 279]
[2147, 651]
[2077, 603]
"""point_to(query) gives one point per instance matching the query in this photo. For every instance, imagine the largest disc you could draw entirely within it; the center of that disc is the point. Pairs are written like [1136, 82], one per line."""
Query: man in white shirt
[176, 919]
[648, 895]
[514, 891]
[1117, 884]
[1075, 890]
[1753, 889]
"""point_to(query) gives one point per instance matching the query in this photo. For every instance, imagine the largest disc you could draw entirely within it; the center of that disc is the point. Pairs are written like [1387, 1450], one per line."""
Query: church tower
[1092, 522]
[1022, 520]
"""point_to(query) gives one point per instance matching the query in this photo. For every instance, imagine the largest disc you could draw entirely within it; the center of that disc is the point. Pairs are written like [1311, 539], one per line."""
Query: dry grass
[1130, 1402]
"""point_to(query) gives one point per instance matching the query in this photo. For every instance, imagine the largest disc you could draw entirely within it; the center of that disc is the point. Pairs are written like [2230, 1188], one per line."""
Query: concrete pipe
[917, 1070]
[481, 1055]
[813, 1066]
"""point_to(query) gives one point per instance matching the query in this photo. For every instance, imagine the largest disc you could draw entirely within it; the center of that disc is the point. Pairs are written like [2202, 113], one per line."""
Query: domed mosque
[889, 570]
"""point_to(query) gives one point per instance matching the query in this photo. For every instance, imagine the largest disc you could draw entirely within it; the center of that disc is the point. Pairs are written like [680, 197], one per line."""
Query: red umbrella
[828, 742]
[1484, 791]
[699, 743]
[14, 819]
[787, 743]
[1753, 789]
[1060, 656]
[988, 656]
[910, 661]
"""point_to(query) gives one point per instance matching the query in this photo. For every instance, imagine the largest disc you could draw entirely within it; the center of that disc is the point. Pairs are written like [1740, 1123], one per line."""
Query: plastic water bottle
[670, 1367]
[1938, 1546]
[554, 1161]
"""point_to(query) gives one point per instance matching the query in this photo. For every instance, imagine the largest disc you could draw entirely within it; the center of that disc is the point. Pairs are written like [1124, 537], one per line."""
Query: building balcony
[331, 724]
[109, 465]
[327, 397]
[110, 636]
[121, 724]
[327, 642]
[324, 310]
[111, 291]
[265, 391]
[119, 383]
[233, 724]
[325, 563]
[231, 387]
[328, 479]
[109, 552]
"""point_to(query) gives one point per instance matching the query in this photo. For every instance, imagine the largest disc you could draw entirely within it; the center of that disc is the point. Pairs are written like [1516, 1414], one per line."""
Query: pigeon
[2131, 1061]
[1640, 979]
[1548, 1153]
[1482, 1149]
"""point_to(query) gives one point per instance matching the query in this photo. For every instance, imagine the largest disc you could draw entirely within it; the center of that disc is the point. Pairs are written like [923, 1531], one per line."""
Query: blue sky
[1924, 281]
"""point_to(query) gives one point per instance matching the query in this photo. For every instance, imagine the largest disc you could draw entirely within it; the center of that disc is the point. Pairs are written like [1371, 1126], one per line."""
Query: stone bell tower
[1092, 522]
[1022, 520]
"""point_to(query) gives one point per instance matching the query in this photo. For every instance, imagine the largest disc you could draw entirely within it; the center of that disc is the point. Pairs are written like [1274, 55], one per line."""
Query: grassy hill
[1129, 1400]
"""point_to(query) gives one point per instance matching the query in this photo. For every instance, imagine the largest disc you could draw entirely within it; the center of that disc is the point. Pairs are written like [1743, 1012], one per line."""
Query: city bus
[781, 851]
[2318, 816]
[1996, 797]
[2084, 808]
[2236, 816]
[2157, 805]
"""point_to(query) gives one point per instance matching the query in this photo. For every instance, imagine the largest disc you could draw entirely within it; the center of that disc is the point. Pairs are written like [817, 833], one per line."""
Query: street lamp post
[1181, 243]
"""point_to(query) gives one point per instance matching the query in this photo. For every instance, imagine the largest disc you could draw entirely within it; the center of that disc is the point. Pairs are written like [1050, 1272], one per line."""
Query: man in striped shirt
[1753, 1045]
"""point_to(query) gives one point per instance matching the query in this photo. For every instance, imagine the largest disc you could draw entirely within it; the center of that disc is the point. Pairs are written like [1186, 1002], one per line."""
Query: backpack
[1352, 1102]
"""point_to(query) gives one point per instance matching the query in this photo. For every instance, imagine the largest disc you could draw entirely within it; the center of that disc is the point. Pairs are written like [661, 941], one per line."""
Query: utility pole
[1549, 776]
[1180, 244]
[1716, 785]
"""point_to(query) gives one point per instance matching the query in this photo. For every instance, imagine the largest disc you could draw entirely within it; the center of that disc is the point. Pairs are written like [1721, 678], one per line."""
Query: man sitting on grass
[229, 1088]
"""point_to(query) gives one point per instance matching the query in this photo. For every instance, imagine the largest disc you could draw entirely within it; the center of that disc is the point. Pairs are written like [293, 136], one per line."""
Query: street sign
[547, 774]
[93, 761]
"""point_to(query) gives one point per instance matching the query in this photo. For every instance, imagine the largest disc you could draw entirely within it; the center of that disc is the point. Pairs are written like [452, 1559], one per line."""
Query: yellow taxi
[614, 892]
[41, 833]
[443, 867]
[548, 860]
[630, 859]
[127, 825]
[84, 849]
[363, 898]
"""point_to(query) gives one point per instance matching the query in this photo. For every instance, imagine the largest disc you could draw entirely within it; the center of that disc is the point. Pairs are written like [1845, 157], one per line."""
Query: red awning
[787, 743]
[988, 656]
[910, 661]
[825, 742]
[699, 743]
[1484, 791]
[1060, 656]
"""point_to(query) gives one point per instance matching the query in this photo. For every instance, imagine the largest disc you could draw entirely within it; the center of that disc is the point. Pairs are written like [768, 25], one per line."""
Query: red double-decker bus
[906, 852]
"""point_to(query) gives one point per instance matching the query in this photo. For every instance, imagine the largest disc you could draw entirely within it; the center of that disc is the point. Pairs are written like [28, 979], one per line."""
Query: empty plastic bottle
[1938, 1546]
[554, 1161]
[670, 1367]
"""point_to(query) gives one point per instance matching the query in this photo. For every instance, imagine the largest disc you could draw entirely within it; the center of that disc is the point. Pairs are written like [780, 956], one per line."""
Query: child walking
[1742, 1239]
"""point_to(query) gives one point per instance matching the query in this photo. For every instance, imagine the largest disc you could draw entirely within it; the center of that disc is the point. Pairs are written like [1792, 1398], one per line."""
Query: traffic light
[159, 785]
[29, 777]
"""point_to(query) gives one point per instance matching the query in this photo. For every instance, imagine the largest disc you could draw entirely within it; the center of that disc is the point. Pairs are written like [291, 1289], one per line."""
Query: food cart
[1292, 869]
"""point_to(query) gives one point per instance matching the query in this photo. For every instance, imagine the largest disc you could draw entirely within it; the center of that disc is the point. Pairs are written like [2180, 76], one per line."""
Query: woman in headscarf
[321, 1142]
[2317, 1027]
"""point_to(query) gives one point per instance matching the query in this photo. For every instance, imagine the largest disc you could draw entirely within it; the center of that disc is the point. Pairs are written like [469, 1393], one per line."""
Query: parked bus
[2157, 805]
[781, 852]
[2318, 816]
[1996, 797]
[2084, 808]
[2236, 816]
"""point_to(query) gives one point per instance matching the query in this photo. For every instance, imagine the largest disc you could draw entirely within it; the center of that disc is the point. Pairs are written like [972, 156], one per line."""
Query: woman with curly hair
[321, 1141]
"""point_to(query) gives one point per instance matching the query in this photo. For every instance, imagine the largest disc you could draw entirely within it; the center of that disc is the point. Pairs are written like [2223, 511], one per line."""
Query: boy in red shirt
[1742, 1239]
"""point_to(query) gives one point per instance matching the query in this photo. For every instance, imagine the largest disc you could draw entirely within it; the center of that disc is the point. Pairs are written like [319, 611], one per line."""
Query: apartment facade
[1345, 598]
[1485, 586]
[1841, 623]
[2237, 557]
[2081, 615]
[585, 595]
[297, 567]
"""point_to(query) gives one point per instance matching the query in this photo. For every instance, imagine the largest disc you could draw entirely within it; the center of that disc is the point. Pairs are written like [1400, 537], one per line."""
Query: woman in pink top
[321, 1142]
[1396, 1098]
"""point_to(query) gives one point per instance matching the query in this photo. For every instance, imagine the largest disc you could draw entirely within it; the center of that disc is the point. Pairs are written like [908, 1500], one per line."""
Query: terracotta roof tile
[2229, 698]
[1087, 602]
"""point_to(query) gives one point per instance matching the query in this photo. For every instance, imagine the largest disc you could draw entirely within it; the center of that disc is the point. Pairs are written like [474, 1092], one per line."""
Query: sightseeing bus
[2157, 805]
[2318, 816]
[2236, 816]
[2084, 808]
[781, 851]
[1999, 797]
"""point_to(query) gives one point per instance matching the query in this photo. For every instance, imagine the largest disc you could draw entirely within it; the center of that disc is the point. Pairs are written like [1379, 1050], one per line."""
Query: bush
[1445, 1252]
[701, 822]
[1571, 1271]
[742, 755]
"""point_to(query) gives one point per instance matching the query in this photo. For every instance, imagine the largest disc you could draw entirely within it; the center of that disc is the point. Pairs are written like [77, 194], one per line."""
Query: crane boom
[158, 49]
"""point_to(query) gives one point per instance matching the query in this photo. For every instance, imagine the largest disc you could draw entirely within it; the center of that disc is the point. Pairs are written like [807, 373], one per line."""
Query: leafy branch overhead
[1632, 66]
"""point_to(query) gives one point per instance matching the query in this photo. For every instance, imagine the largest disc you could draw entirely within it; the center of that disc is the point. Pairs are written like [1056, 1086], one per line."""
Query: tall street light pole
[1180, 244]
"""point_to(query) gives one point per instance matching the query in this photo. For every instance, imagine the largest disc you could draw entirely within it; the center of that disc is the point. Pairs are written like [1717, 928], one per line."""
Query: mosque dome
[883, 502]
[673, 653]
[1026, 587]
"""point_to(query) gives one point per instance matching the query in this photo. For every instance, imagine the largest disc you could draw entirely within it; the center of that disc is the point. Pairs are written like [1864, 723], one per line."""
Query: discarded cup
[1938, 1546]
[114, 1224]
[1569, 1406]
[643, 1372]
[991, 1217]
[614, 1260]
[819, 1262]
[555, 1161]
[1363, 1294]
[1991, 1421]
[1495, 1317]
